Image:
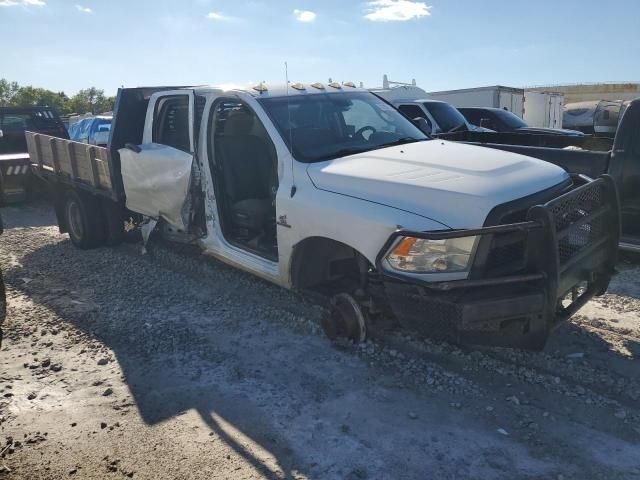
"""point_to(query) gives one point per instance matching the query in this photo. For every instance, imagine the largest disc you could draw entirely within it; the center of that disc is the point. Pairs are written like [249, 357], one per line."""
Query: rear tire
[84, 220]
[114, 222]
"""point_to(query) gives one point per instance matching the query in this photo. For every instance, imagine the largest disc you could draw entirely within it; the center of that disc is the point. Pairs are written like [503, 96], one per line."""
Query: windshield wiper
[401, 141]
[343, 152]
[461, 127]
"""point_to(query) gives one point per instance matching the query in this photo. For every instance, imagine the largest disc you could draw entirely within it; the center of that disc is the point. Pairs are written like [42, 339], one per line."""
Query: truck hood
[452, 183]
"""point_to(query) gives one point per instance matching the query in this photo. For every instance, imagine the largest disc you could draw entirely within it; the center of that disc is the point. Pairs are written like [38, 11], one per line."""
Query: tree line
[89, 100]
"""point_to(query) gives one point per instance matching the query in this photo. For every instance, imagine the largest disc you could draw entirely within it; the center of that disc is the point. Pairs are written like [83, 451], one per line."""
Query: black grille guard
[570, 240]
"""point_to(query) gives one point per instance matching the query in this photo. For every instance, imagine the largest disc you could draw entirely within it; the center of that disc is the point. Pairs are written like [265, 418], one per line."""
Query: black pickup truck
[589, 156]
[15, 172]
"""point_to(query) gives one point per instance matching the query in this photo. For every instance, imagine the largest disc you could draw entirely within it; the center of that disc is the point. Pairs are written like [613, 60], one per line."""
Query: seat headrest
[306, 115]
[239, 123]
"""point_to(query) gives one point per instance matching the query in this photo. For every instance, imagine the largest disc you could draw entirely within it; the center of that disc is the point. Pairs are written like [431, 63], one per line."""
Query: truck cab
[329, 190]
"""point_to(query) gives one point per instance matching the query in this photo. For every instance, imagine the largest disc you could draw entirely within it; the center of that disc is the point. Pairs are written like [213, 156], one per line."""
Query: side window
[489, 120]
[171, 122]
[412, 111]
[472, 116]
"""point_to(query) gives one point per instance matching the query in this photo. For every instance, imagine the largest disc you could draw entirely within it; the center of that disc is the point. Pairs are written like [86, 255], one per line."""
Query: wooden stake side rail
[72, 162]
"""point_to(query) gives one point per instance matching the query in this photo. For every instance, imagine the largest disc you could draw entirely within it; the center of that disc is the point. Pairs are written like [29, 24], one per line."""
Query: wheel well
[319, 263]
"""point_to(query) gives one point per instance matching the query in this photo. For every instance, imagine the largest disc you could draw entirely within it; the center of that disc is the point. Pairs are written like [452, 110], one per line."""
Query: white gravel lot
[173, 366]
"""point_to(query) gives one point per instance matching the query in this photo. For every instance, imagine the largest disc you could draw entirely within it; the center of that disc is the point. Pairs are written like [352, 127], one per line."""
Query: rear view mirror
[485, 122]
[423, 124]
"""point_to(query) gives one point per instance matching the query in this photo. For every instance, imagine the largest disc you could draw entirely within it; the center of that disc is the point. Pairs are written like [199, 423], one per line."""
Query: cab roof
[264, 90]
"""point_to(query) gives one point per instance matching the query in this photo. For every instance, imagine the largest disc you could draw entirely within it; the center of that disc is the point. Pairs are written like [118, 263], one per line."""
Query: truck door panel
[157, 175]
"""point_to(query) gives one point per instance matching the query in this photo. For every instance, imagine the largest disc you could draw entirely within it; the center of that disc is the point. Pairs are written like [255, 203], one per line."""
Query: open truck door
[157, 174]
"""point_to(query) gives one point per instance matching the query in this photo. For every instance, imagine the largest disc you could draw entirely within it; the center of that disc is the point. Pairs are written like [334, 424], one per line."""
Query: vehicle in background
[440, 116]
[329, 190]
[503, 121]
[497, 96]
[543, 109]
[598, 117]
[620, 159]
[15, 175]
[92, 130]
[413, 101]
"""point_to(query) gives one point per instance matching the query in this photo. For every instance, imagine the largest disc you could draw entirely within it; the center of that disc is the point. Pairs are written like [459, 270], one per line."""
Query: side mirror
[485, 122]
[423, 124]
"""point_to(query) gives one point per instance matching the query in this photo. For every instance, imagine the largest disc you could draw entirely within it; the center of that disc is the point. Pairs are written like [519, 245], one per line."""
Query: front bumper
[563, 255]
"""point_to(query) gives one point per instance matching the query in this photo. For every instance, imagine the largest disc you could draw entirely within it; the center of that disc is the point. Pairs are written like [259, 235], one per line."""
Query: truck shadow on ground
[190, 342]
[173, 358]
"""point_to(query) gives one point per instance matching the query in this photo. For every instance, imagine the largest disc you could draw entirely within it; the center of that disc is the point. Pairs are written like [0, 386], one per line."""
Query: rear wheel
[84, 220]
[114, 222]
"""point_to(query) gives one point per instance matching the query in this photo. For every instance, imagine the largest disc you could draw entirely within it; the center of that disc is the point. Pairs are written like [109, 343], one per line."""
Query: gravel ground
[171, 365]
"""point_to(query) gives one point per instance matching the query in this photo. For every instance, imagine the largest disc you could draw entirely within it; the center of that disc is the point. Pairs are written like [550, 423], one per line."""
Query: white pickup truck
[328, 189]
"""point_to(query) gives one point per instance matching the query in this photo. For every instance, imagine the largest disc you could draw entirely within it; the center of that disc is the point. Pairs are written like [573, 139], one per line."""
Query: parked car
[329, 190]
[501, 120]
[15, 176]
[92, 130]
[411, 100]
[497, 96]
[442, 117]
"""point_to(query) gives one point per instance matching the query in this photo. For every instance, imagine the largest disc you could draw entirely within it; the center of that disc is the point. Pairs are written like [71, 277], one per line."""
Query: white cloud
[396, 10]
[218, 16]
[24, 3]
[83, 9]
[305, 16]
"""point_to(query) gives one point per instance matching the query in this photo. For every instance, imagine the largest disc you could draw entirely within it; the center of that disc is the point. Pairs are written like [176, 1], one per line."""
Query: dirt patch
[170, 365]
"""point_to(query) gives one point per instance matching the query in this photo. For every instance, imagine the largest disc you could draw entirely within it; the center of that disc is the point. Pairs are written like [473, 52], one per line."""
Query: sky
[443, 44]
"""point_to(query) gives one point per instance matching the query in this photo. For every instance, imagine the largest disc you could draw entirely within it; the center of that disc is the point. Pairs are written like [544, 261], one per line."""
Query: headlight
[417, 255]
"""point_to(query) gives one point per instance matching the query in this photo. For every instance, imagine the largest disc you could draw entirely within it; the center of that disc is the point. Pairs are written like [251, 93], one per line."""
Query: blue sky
[68, 44]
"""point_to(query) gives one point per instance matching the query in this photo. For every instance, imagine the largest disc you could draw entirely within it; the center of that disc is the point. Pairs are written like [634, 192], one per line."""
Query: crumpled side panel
[156, 182]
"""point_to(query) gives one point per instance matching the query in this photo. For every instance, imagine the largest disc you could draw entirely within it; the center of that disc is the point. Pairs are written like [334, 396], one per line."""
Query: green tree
[91, 100]
[27, 96]
[7, 91]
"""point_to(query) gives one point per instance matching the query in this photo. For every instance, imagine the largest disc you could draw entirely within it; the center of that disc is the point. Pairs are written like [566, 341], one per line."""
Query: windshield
[324, 126]
[446, 116]
[510, 119]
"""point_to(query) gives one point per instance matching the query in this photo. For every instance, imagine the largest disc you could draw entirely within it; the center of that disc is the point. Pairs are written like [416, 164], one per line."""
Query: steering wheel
[364, 129]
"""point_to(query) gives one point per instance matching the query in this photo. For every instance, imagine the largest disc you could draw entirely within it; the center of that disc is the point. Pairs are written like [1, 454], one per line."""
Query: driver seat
[246, 164]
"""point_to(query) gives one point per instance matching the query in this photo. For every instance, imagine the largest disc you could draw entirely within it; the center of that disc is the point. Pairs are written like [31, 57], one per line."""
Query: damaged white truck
[328, 189]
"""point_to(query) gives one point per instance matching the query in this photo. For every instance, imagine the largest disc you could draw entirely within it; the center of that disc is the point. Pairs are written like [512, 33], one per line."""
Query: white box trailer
[497, 96]
[543, 109]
